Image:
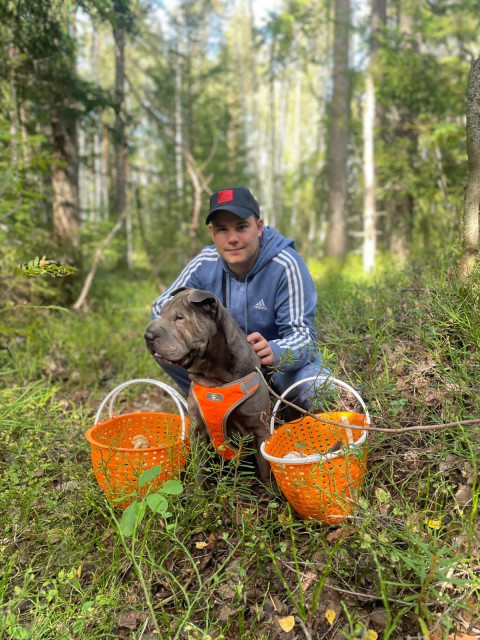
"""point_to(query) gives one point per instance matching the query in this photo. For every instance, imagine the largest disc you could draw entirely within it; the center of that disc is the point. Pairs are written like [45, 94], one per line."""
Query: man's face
[237, 240]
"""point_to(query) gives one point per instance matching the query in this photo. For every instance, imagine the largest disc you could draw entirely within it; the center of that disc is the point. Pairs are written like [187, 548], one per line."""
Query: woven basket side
[118, 466]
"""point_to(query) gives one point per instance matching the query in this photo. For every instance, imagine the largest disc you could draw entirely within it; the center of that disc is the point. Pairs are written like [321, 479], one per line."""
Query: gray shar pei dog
[227, 397]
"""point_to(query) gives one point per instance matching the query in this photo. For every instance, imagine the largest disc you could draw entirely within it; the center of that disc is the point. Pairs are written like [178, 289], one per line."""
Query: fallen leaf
[201, 545]
[226, 591]
[107, 534]
[330, 615]
[287, 623]
[464, 495]
[279, 606]
[130, 619]
[78, 572]
[225, 614]
[339, 534]
[308, 579]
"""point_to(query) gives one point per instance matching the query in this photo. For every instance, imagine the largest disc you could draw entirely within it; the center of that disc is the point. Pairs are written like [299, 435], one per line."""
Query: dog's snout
[152, 332]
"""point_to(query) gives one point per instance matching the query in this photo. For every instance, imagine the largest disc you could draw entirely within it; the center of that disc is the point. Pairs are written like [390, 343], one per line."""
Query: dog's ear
[200, 298]
[179, 290]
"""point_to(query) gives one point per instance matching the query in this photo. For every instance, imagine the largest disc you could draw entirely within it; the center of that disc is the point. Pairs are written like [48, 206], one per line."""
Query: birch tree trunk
[339, 122]
[471, 205]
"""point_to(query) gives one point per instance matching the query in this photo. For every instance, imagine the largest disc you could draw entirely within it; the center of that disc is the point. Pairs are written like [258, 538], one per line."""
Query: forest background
[349, 122]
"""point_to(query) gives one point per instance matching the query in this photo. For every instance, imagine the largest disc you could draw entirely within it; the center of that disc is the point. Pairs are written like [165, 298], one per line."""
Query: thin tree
[377, 22]
[179, 59]
[338, 138]
[471, 205]
[120, 21]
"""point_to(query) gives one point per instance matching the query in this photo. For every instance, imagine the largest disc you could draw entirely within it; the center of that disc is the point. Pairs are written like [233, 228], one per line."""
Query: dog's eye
[179, 317]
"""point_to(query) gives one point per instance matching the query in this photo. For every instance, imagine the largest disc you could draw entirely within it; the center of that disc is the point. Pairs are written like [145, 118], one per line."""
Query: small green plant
[156, 503]
[42, 266]
[231, 560]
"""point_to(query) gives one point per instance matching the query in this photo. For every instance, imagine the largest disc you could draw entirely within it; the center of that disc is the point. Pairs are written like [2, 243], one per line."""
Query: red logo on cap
[225, 196]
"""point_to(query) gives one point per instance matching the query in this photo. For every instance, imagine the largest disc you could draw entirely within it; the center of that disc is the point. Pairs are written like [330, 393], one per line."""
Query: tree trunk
[100, 199]
[401, 210]
[65, 178]
[105, 172]
[272, 215]
[338, 139]
[471, 205]
[296, 151]
[120, 124]
[377, 22]
[14, 119]
[119, 33]
[369, 210]
[178, 105]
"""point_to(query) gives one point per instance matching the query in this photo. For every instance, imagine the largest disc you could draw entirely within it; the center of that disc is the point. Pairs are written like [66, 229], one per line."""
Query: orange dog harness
[216, 403]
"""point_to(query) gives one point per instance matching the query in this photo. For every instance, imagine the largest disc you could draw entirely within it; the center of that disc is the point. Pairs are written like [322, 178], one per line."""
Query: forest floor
[232, 560]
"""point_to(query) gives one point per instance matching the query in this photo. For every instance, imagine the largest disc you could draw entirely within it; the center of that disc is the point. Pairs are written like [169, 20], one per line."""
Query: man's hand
[261, 348]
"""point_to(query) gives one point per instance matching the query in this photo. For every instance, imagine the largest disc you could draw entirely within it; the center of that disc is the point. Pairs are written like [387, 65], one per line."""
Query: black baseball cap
[238, 200]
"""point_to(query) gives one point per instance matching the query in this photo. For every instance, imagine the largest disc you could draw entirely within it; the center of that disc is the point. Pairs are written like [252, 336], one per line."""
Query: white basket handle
[315, 457]
[179, 400]
[322, 379]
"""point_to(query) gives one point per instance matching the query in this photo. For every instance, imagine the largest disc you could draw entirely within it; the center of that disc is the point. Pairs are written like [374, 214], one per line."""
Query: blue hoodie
[277, 297]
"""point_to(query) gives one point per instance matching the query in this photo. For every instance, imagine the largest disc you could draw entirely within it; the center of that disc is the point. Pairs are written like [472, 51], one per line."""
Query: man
[265, 285]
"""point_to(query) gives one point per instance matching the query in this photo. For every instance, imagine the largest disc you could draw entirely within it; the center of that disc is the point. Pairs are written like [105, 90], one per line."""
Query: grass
[232, 561]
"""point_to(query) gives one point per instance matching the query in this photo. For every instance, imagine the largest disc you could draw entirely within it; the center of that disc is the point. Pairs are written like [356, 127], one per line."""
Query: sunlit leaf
[201, 545]
[330, 615]
[287, 623]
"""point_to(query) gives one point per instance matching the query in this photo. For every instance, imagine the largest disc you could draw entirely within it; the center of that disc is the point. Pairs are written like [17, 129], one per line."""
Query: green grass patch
[227, 559]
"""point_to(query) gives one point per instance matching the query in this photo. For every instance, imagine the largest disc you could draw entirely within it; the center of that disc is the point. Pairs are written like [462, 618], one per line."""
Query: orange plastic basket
[118, 465]
[319, 484]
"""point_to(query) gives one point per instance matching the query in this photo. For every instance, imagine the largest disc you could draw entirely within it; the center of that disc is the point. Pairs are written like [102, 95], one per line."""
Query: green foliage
[156, 502]
[42, 266]
[198, 552]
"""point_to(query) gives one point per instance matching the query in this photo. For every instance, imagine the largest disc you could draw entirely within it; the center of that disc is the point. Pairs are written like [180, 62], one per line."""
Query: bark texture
[471, 205]
[339, 121]
[65, 178]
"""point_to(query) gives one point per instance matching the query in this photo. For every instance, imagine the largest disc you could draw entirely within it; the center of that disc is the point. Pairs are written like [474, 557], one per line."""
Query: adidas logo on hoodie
[261, 305]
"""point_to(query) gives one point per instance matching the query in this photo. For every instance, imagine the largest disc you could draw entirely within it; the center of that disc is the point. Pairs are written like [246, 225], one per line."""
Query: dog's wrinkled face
[181, 334]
